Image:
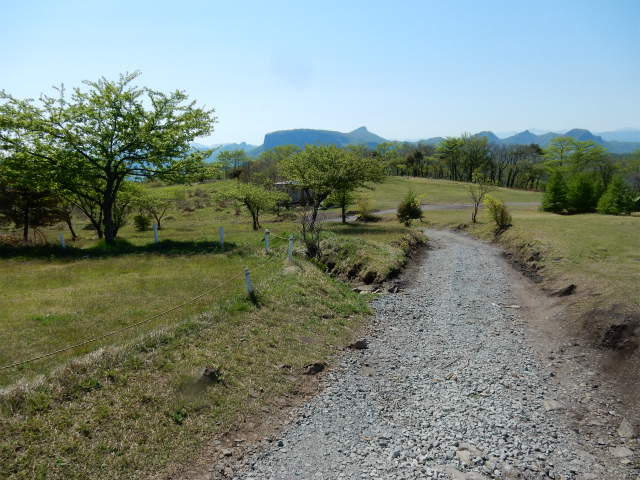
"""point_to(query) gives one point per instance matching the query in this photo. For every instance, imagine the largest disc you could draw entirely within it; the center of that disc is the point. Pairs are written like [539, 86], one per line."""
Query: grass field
[439, 192]
[62, 416]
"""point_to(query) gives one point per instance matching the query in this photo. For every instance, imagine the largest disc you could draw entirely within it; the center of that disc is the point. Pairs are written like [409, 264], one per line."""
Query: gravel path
[447, 388]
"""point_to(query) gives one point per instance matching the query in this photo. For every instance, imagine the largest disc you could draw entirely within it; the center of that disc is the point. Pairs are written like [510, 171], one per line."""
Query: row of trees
[86, 151]
[582, 178]
[458, 158]
[90, 151]
[511, 166]
[323, 173]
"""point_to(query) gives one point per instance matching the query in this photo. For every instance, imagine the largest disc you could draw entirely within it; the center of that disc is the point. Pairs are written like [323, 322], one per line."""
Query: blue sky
[404, 69]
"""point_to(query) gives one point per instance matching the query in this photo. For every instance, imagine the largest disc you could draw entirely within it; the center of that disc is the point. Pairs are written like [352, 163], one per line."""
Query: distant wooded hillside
[613, 141]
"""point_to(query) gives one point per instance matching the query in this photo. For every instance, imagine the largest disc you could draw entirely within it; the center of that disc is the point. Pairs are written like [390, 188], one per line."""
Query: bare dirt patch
[595, 350]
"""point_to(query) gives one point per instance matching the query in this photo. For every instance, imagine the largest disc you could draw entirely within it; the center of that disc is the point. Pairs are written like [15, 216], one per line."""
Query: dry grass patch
[125, 411]
[370, 253]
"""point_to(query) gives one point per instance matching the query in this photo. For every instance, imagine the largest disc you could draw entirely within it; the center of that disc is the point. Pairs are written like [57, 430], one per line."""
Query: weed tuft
[179, 415]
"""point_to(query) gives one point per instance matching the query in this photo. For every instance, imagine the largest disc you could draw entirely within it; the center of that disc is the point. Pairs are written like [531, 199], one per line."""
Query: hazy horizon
[405, 70]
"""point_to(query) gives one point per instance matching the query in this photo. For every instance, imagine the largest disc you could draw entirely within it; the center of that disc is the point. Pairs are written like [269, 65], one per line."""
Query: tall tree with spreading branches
[92, 142]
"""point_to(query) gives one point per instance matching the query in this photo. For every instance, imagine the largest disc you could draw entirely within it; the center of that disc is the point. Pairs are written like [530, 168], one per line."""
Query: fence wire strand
[6, 367]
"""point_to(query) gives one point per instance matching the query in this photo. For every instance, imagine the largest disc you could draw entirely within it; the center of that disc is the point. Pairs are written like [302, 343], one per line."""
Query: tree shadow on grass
[121, 247]
[364, 228]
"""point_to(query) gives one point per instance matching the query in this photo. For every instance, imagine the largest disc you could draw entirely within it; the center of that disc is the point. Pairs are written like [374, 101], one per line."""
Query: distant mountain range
[221, 147]
[543, 139]
[620, 141]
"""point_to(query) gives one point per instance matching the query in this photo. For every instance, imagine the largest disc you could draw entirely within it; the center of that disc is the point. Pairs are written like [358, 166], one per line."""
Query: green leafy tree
[278, 153]
[617, 199]
[154, 203]
[364, 204]
[557, 152]
[391, 155]
[632, 170]
[322, 170]
[28, 201]
[474, 155]
[267, 165]
[128, 196]
[91, 143]
[477, 190]
[449, 151]
[586, 156]
[574, 156]
[555, 195]
[230, 160]
[256, 198]
[30, 208]
[208, 171]
[343, 199]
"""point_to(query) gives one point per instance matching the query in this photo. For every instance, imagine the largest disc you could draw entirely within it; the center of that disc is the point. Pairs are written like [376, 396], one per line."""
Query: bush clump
[364, 204]
[497, 211]
[141, 223]
[409, 209]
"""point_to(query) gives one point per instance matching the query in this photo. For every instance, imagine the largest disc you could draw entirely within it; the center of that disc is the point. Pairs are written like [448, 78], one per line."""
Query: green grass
[369, 252]
[439, 192]
[53, 304]
[63, 416]
[599, 253]
[127, 411]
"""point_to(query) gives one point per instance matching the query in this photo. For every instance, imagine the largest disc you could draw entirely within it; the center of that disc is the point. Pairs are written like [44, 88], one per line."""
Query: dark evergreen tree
[583, 192]
[555, 196]
[30, 208]
[617, 199]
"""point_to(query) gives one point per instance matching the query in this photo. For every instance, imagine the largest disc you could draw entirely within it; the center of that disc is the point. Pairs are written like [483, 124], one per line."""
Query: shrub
[364, 204]
[141, 223]
[409, 209]
[497, 211]
[311, 230]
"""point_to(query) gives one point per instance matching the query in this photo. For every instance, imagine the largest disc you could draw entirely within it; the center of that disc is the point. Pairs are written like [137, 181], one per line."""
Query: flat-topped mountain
[302, 136]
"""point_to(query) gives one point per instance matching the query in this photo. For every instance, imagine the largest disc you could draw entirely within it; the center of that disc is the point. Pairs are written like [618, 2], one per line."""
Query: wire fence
[245, 273]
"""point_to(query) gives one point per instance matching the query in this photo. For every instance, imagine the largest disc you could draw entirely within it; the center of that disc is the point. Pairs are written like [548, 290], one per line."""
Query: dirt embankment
[608, 339]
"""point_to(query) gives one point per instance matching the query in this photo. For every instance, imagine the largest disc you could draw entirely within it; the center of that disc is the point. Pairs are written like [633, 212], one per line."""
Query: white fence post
[290, 247]
[221, 237]
[62, 241]
[155, 232]
[266, 241]
[247, 279]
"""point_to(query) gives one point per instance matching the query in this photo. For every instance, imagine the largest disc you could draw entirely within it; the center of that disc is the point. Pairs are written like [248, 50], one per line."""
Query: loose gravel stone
[446, 388]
